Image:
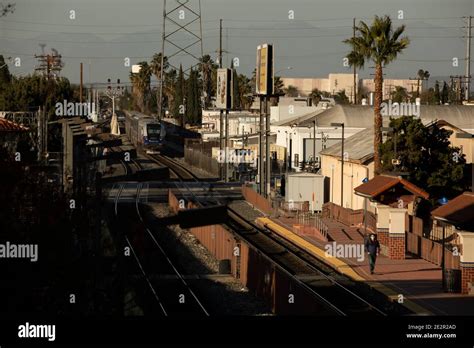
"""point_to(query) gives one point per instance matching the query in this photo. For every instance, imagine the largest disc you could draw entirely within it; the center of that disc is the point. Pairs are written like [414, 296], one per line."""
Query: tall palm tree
[381, 44]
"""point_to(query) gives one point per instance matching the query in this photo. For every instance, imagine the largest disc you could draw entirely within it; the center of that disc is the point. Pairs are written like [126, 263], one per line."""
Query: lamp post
[287, 68]
[341, 124]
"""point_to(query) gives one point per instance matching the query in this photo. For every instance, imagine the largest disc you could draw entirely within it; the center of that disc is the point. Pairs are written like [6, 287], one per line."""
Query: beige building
[358, 165]
[465, 144]
[332, 84]
[368, 85]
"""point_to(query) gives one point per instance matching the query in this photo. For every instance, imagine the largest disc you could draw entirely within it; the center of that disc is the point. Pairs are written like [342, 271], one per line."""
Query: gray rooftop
[359, 116]
[359, 147]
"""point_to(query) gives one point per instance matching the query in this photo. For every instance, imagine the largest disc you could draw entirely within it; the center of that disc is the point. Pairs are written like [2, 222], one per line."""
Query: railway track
[180, 172]
[332, 289]
[162, 288]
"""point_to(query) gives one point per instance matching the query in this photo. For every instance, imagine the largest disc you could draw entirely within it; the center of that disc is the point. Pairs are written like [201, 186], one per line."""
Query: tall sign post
[224, 101]
[264, 89]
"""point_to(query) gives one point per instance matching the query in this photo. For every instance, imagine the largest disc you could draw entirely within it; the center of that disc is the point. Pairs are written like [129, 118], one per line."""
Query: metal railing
[312, 220]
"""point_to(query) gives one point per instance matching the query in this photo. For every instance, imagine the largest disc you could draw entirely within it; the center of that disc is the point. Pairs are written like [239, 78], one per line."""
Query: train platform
[416, 282]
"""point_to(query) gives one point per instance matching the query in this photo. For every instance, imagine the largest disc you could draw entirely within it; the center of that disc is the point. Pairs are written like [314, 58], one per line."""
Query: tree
[315, 96]
[399, 95]
[245, 95]
[208, 69]
[5, 76]
[380, 44]
[426, 154]
[428, 97]
[178, 103]
[6, 8]
[193, 99]
[437, 94]
[445, 93]
[141, 87]
[291, 91]
[341, 97]
[422, 75]
[278, 86]
[356, 59]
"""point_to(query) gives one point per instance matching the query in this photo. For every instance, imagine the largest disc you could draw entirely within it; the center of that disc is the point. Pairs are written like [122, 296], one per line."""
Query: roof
[301, 119]
[459, 210]
[381, 183]
[9, 126]
[359, 147]
[362, 116]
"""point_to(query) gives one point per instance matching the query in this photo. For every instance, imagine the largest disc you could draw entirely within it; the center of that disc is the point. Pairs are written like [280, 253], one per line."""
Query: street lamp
[287, 68]
[341, 124]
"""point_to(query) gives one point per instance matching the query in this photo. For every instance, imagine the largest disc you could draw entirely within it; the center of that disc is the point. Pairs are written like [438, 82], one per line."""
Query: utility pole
[80, 86]
[160, 101]
[468, 58]
[354, 67]
[221, 118]
[458, 87]
[267, 147]
[261, 175]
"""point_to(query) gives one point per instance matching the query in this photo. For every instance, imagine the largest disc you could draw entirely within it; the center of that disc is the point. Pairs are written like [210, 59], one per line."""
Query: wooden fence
[348, 216]
[430, 250]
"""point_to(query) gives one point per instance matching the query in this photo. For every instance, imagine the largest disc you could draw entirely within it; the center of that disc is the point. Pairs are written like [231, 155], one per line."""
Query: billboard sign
[224, 89]
[264, 76]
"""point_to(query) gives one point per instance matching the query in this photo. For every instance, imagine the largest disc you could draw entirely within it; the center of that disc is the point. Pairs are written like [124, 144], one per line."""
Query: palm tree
[291, 91]
[208, 68]
[381, 44]
[400, 94]
[315, 96]
[278, 86]
[245, 86]
[423, 75]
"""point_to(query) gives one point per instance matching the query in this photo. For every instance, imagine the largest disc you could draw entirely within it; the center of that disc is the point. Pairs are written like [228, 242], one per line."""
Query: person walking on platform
[372, 247]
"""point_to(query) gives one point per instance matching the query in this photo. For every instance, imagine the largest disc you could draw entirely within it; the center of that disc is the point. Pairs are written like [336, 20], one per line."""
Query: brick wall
[467, 271]
[382, 236]
[396, 247]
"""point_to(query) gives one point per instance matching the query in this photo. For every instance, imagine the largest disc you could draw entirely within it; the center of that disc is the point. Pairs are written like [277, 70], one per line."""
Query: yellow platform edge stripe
[337, 264]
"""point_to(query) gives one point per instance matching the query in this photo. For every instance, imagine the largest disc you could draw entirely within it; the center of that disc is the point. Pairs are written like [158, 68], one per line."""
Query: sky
[307, 34]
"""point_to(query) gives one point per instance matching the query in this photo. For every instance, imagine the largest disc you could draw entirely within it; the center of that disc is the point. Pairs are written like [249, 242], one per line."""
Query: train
[144, 131]
[148, 134]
